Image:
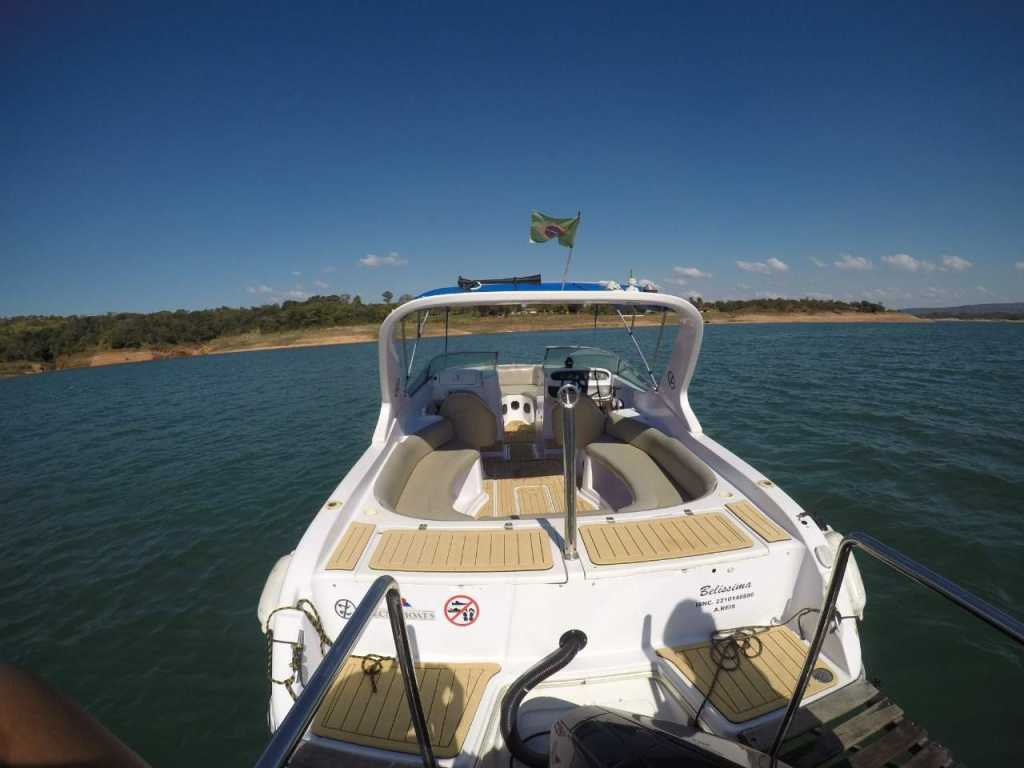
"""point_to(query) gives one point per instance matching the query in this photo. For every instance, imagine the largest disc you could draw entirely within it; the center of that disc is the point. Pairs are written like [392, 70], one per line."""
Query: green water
[143, 506]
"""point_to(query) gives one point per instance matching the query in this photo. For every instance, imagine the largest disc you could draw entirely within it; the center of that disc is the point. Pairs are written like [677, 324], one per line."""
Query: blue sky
[197, 156]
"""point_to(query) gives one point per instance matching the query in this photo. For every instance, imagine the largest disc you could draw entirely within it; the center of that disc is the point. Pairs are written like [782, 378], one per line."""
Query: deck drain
[822, 675]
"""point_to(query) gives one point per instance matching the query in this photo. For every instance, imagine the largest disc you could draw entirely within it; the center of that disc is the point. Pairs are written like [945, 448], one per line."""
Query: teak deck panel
[758, 521]
[428, 551]
[526, 488]
[373, 711]
[763, 682]
[351, 547]
[663, 538]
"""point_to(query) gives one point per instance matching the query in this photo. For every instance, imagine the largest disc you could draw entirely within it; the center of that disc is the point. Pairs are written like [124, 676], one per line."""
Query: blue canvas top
[518, 287]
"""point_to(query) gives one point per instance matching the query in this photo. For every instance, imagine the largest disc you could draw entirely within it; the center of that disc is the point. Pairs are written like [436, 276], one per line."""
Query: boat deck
[366, 704]
[530, 488]
[764, 677]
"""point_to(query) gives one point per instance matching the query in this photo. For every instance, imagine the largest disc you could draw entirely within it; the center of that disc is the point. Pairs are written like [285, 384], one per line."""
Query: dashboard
[594, 382]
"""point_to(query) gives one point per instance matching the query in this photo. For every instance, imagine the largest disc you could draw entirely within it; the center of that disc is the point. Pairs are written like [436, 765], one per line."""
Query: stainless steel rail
[913, 570]
[568, 396]
[289, 733]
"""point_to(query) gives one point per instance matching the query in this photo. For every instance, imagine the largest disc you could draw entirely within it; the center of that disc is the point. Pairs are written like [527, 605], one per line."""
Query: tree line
[45, 338]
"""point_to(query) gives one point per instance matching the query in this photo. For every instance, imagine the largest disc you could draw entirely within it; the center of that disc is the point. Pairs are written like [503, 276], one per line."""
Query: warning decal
[461, 610]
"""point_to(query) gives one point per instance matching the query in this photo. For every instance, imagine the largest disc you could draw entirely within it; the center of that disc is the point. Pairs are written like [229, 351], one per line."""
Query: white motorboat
[615, 573]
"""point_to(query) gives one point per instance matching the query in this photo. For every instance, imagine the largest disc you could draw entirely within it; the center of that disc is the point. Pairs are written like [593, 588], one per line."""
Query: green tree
[387, 296]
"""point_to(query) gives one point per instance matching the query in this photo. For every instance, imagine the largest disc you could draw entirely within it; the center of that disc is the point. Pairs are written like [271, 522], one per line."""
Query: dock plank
[813, 715]
[934, 755]
[896, 742]
[849, 734]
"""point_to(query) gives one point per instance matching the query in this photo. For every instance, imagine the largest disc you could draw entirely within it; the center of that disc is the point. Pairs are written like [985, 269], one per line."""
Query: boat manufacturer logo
[461, 610]
[345, 608]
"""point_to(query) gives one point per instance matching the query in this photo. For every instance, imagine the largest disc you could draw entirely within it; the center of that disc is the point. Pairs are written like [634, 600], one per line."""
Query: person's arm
[41, 726]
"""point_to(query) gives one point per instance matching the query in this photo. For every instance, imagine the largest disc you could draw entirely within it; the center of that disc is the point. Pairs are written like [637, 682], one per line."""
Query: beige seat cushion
[404, 459]
[474, 423]
[431, 490]
[589, 422]
[647, 484]
[520, 380]
[679, 462]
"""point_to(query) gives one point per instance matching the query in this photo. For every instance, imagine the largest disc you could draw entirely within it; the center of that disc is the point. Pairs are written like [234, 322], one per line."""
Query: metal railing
[296, 722]
[569, 396]
[994, 617]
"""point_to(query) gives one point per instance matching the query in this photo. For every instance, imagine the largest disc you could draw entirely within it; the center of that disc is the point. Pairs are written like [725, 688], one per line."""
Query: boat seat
[434, 484]
[687, 472]
[647, 484]
[419, 477]
[473, 423]
[658, 470]
[590, 422]
[520, 380]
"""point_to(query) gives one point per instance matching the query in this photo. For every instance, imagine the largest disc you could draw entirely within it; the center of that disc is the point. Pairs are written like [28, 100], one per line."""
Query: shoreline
[361, 334]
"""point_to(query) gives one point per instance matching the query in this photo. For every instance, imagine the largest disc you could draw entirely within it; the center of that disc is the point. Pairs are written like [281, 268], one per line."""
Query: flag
[544, 228]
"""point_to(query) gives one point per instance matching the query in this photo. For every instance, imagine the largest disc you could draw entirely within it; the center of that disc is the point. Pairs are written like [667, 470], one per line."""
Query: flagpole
[568, 259]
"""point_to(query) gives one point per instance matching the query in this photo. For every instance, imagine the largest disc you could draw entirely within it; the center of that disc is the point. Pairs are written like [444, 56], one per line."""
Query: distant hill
[1013, 310]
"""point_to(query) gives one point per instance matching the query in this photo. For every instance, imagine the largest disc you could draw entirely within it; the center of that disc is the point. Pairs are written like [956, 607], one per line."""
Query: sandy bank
[255, 342]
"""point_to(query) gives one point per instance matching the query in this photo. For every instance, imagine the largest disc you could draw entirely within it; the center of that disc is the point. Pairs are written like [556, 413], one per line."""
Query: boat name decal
[723, 597]
[717, 589]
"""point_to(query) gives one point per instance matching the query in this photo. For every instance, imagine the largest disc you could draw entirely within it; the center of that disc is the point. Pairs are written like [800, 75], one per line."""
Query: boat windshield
[486, 362]
[632, 343]
[593, 357]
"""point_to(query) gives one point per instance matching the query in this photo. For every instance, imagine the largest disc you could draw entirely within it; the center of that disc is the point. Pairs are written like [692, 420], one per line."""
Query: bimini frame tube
[568, 396]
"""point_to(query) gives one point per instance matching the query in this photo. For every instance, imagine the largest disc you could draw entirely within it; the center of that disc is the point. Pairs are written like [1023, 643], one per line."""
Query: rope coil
[307, 608]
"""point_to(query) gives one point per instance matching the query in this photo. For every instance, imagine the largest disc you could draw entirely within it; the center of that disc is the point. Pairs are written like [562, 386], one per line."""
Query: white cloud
[259, 289]
[391, 260]
[768, 295]
[848, 262]
[986, 292]
[643, 282]
[329, 270]
[677, 281]
[821, 296]
[296, 294]
[956, 264]
[908, 263]
[296, 274]
[320, 284]
[693, 272]
[763, 267]
[818, 262]
[1020, 266]
[754, 266]
[933, 292]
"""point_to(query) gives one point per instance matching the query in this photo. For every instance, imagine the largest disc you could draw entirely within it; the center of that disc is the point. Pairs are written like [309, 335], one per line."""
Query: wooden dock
[859, 727]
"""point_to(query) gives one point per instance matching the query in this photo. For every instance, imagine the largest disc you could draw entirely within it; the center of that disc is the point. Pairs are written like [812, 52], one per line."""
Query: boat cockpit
[486, 441]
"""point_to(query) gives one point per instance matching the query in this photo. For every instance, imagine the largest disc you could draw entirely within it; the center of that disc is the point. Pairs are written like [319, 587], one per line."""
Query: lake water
[142, 507]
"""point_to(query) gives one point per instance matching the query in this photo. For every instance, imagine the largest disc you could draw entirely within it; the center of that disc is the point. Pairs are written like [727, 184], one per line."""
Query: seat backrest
[407, 454]
[589, 422]
[474, 423]
[520, 375]
[675, 459]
